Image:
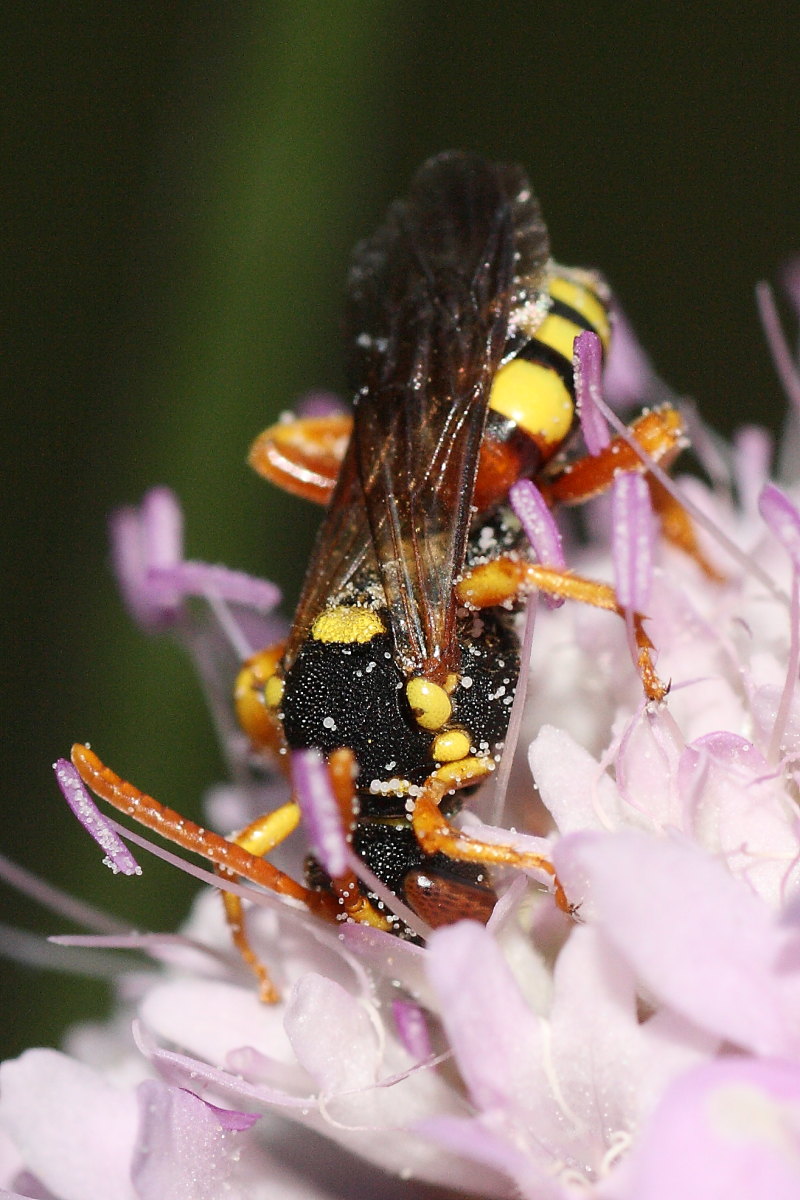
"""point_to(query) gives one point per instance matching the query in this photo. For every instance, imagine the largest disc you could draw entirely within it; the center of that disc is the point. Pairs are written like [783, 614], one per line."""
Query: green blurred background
[183, 186]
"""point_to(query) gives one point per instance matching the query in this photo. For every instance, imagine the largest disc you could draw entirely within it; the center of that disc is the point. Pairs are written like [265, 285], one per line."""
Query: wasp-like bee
[404, 650]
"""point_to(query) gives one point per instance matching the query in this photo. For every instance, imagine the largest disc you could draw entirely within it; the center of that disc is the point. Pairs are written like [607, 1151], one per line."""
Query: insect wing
[431, 295]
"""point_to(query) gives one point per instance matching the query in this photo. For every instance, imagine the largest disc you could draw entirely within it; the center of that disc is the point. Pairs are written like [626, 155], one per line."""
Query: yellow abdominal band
[535, 389]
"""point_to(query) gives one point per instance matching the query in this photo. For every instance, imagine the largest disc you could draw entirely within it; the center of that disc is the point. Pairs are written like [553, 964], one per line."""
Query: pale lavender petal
[34, 1189]
[696, 936]
[494, 1034]
[182, 1150]
[144, 538]
[597, 1045]
[540, 528]
[473, 1140]
[588, 365]
[231, 1118]
[332, 1035]
[729, 1130]
[202, 579]
[783, 520]
[537, 521]
[72, 1129]
[322, 818]
[412, 1028]
[209, 1018]
[577, 792]
[632, 532]
[753, 448]
[388, 955]
[117, 855]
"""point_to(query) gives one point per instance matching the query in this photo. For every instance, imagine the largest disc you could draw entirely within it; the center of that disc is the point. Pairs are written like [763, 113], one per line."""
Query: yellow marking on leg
[269, 830]
[258, 838]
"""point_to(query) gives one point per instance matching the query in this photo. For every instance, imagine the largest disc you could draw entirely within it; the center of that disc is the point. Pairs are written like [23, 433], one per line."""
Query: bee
[403, 657]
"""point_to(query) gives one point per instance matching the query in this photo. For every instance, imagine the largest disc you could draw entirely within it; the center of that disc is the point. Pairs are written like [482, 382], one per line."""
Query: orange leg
[303, 456]
[494, 583]
[231, 857]
[660, 433]
[355, 905]
[435, 835]
[259, 838]
[257, 693]
[678, 528]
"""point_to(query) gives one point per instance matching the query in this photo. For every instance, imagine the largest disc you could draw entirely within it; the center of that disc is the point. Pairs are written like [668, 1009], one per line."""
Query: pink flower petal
[319, 403]
[145, 538]
[332, 1035]
[540, 528]
[629, 377]
[785, 365]
[494, 1034]
[783, 519]
[321, 816]
[588, 364]
[473, 1140]
[753, 448]
[203, 579]
[232, 1119]
[73, 1131]
[729, 1130]
[412, 1028]
[632, 530]
[577, 792]
[182, 1151]
[117, 855]
[699, 939]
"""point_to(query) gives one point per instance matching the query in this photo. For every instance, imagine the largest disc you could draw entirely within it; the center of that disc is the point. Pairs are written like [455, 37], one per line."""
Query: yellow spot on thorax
[347, 623]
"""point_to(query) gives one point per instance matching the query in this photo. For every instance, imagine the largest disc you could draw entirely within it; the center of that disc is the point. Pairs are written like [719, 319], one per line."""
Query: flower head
[646, 1046]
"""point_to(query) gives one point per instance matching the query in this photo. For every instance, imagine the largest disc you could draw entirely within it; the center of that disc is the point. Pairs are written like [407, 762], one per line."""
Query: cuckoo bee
[403, 656]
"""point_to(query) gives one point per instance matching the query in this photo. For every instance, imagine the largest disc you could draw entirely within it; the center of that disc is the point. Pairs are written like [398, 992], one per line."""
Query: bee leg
[660, 434]
[436, 835]
[231, 859]
[355, 905]
[259, 838]
[494, 583]
[257, 695]
[678, 528]
[303, 456]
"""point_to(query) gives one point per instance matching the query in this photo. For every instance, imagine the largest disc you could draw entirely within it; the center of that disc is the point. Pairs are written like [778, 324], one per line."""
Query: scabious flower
[643, 1048]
